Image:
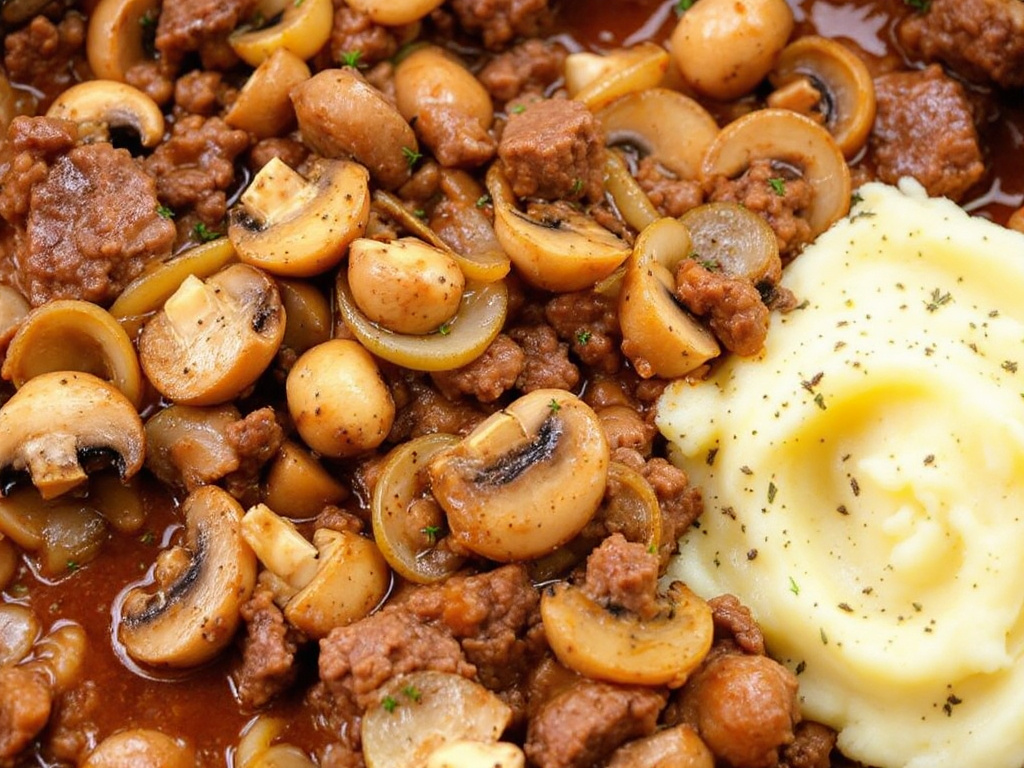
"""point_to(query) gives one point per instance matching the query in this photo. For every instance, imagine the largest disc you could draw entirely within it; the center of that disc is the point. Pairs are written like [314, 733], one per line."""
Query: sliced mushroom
[526, 479]
[667, 126]
[734, 240]
[294, 227]
[59, 420]
[609, 644]
[191, 611]
[98, 104]
[598, 80]
[421, 711]
[795, 141]
[264, 106]
[658, 335]
[462, 340]
[302, 28]
[115, 38]
[74, 335]
[827, 81]
[187, 445]
[213, 338]
[279, 546]
[553, 247]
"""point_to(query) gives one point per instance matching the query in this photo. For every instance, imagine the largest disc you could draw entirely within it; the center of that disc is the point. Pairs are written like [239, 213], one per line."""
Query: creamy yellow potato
[864, 483]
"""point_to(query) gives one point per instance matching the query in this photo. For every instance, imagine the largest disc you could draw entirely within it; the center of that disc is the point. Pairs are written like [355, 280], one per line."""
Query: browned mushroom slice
[658, 335]
[296, 227]
[526, 480]
[598, 80]
[59, 420]
[213, 339]
[263, 106]
[191, 612]
[115, 39]
[795, 141]
[98, 104]
[302, 28]
[825, 80]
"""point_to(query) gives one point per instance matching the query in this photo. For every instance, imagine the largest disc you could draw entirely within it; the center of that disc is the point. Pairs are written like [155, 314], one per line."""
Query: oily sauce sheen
[200, 703]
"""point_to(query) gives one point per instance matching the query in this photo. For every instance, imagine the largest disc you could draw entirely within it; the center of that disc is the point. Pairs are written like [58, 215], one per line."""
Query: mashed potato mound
[864, 483]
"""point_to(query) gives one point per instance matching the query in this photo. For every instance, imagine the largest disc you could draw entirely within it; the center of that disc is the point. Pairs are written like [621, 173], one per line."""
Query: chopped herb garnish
[554, 405]
[583, 336]
[855, 198]
[483, 200]
[390, 703]
[819, 400]
[204, 233]
[778, 185]
[147, 20]
[939, 299]
[411, 156]
[445, 329]
[793, 586]
[921, 6]
[518, 109]
[1010, 366]
[412, 692]
[824, 637]
[682, 6]
[164, 212]
[431, 532]
[771, 492]
[419, 213]
[73, 565]
[147, 538]
[577, 186]
[351, 59]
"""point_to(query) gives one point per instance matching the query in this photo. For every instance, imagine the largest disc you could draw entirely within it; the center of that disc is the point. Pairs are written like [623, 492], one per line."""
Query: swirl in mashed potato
[864, 483]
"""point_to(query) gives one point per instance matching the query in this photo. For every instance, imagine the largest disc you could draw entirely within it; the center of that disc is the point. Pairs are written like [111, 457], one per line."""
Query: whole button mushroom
[338, 399]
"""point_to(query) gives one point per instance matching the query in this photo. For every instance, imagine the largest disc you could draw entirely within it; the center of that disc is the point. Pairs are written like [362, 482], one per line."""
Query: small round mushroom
[74, 335]
[114, 41]
[795, 141]
[302, 28]
[827, 81]
[213, 338]
[526, 479]
[308, 314]
[338, 399]
[296, 227]
[341, 115]
[621, 647]
[59, 420]
[98, 104]
[191, 611]
[419, 712]
[553, 247]
[263, 106]
[141, 746]
[658, 335]
[405, 285]
[724, 48]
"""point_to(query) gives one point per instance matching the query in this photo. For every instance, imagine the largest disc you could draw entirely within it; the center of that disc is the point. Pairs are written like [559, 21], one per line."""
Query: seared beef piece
[499, 22]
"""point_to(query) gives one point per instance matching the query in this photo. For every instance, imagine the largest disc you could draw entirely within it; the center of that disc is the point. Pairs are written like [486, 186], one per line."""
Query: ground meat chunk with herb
[357, 40]
[811, 748]
[268, 651]
[529, 67]
[201, 26]
[46, 56]
[680, 503]
[489, 376]
[733, 621]
[92, 225]
[547, 360]
[499, 22]
[733, 306]
[924, 128]
[671, 196]
[25, 704]
[623, 574]
[421, 409]
[981, 40]
[584, 724]
[195, 167]
[589, 322]
[744, 707]
[626, 427]
[554, 150]
[772, 193]
[256, 439]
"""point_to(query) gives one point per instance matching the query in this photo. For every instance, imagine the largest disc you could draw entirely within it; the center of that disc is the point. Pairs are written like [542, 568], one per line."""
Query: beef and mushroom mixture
[333, 334]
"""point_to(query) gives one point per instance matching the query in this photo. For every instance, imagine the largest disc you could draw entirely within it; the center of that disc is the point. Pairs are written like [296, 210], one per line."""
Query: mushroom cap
[193, 614]
[57, 420]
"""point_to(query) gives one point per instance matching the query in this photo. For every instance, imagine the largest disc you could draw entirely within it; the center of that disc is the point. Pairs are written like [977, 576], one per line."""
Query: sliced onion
[479, 319]
[598, 83]
[735, 240]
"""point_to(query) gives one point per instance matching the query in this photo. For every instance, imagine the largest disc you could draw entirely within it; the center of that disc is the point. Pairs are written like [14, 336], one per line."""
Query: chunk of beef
[91, 225]
[670, 195]
[499, 22]
[781, 205]
[268, 652]
[25, 704]
[72, 731]
[981, 40]
[733, 621]
[811, 748]
[623, 574]
[256, 439]
[626, 427]
[589, 322]
[293, 153]
[45, 56]
[355, 32]
[201, 26]
[529, 67]
[489, 376]
[421, 409]
[547, 359]
[744, 708]
[195, 167]
[924, 128]
[201, 93]
[554, 150]
[584, 724]
[733, 306]
[681, 503]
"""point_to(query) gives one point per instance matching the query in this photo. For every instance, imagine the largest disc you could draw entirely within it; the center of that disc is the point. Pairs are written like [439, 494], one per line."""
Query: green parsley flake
[793, 586]
[778, 185]
[390, 703]
[411, 156]
[351, 59]
[204, 233]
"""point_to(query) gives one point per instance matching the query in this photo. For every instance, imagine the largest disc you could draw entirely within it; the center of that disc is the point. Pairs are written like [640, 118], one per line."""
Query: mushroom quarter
[526, 479]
